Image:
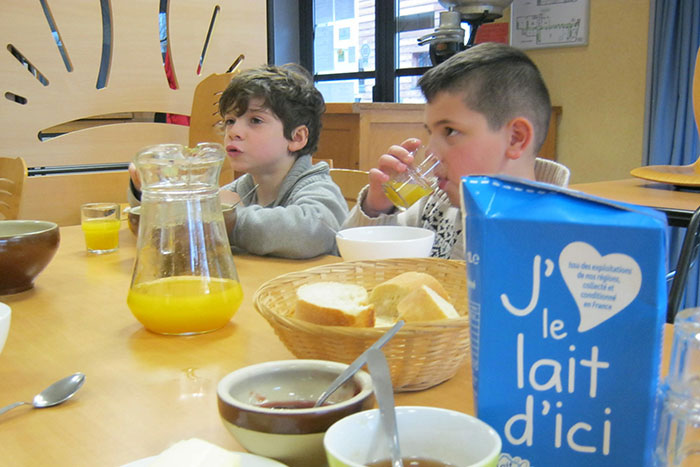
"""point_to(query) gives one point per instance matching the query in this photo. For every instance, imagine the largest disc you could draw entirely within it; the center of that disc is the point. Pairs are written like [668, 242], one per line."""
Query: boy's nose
[233, 131]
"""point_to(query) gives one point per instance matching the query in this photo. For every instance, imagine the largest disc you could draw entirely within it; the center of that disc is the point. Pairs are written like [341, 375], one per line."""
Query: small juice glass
[101, 224]
[419, 180]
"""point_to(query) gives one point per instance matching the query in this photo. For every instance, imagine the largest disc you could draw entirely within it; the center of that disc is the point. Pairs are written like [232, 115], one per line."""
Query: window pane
[351, 90]
[408, 90]
[416, 18]
[344, 36]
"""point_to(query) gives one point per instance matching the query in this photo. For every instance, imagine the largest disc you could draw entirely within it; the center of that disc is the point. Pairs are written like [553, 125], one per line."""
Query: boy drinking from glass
[487, 112]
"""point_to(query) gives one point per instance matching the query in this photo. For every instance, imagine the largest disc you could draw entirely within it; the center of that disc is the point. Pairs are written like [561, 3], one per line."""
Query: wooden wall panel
[136, 82]
[340, 140]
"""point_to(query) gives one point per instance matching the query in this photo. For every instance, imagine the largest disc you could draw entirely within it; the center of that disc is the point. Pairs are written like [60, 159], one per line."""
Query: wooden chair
[12, 175]
[549, 171]
[691, 242]
[350, 182]
[327, 161]
[688, 255]
[205, 118]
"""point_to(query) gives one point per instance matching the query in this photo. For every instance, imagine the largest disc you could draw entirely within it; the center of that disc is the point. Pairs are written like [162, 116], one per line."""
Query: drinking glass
[417, 181]
[101, 224]
[678, 442]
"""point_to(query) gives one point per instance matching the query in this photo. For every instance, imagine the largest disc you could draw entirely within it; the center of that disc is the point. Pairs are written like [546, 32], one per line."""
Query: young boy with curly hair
[272, 123]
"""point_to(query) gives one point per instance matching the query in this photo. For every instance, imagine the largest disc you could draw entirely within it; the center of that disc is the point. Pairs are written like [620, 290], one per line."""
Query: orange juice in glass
[185, 304]
[419, 180]
[101, 224]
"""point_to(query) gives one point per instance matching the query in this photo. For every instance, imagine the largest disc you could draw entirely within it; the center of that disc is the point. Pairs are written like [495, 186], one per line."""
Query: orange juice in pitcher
[165, 305]
[184, 280]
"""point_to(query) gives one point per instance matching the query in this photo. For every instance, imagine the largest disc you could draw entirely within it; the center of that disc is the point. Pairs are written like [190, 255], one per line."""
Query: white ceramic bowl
[292, 435]
[384, 241]
[424, 432]
[5, 318]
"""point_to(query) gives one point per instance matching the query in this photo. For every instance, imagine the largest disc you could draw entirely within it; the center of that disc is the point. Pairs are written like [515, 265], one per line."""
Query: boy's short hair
[498, 81]
[287, 90]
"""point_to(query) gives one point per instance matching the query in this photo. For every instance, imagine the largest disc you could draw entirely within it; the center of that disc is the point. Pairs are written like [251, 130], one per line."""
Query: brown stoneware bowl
[133, 215]
[26, 248]
[268, 407]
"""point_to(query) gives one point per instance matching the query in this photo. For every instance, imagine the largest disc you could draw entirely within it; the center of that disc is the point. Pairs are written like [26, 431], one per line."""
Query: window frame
[385, 72]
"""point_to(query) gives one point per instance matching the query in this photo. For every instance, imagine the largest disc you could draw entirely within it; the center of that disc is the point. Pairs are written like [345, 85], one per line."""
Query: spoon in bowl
[383, 389]
[358, 363]
[57, 393]
[250, 192]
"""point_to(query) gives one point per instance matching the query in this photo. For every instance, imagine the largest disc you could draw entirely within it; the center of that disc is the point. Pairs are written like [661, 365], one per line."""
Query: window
[367, 50]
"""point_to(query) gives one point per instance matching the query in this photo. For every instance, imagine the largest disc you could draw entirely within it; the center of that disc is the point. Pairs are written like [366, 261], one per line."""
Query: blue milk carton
[567, 301]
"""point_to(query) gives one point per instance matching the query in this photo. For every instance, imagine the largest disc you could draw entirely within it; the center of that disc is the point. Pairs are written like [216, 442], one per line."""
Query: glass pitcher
[184, 279]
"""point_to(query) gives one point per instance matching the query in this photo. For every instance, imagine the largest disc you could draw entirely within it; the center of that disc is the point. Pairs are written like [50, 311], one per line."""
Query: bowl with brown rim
[26, 248]
[268, 407]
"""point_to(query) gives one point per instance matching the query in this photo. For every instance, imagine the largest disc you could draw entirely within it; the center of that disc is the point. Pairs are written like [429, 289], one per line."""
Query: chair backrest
[350, 182]
[12, 174]
[205, 118]
[327, 161]
[553, 172]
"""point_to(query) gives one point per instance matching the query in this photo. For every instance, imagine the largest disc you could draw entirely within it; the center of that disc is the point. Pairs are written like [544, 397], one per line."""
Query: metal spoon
[58, 392]
[381, 380]
[250, 192]
[357, 364]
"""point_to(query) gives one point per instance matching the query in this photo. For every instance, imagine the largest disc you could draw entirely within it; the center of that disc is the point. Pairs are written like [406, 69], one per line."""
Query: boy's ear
[300, 136]
[522, 134]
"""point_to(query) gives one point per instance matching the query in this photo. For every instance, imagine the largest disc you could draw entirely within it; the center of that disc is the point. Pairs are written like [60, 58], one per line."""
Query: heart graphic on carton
[602, 286]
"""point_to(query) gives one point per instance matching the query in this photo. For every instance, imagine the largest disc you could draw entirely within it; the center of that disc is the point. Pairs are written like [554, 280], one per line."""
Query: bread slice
[196, 452]
[334, 304]
[424, 304]
[386, 296]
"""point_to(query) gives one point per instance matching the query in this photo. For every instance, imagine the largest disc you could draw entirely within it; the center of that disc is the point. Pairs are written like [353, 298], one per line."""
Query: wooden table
[143, 391]
[677, 203]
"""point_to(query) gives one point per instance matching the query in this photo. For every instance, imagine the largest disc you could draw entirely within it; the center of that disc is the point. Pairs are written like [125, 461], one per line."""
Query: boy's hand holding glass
[395, 162]
[418, 180]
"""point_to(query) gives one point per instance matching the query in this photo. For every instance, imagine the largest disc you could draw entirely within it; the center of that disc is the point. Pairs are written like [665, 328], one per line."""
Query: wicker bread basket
[420, 355]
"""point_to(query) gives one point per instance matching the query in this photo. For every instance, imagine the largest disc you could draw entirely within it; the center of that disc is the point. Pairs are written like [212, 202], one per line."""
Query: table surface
[143, 391]
[643, 192]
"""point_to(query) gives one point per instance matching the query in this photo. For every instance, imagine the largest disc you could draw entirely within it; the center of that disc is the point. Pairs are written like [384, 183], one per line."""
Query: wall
[601, 89]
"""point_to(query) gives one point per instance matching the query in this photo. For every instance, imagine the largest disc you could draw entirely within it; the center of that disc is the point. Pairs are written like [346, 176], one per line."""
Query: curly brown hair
[287, 90]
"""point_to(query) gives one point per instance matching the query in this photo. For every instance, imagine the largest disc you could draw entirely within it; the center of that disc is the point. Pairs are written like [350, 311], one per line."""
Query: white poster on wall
[549, 23]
